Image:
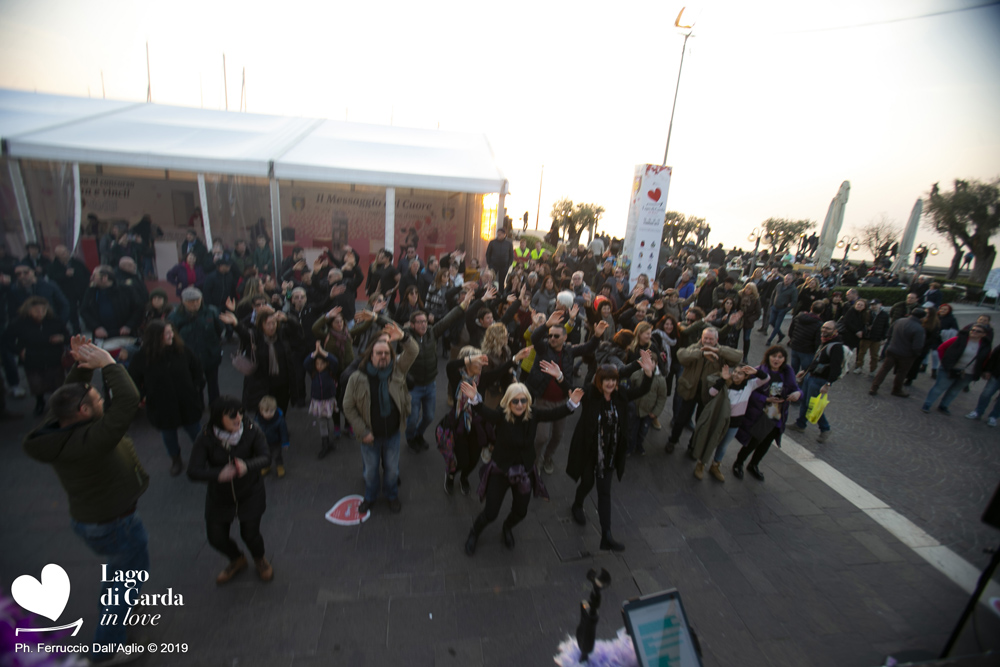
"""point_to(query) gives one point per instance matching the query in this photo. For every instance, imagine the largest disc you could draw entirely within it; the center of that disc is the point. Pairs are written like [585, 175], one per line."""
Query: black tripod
[984, 579]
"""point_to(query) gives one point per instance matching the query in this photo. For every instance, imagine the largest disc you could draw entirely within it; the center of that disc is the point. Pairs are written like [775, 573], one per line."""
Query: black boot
[609, 543]
[738, 469]
[508, 535]
[578, 514]
[755, 471]
[473, 539]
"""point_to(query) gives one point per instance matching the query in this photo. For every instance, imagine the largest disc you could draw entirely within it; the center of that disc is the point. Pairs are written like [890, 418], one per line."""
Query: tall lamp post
[670, 128]
[849, 243]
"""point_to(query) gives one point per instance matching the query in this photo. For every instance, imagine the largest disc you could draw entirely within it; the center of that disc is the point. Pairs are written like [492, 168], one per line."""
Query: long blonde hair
[495, 340]
[513, 391]
[639, 328]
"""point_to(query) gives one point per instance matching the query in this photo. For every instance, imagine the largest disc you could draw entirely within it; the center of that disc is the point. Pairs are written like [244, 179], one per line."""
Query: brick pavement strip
[781, 573]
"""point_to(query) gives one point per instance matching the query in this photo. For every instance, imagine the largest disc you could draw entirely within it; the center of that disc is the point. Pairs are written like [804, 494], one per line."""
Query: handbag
[817, 404]
[246, 364]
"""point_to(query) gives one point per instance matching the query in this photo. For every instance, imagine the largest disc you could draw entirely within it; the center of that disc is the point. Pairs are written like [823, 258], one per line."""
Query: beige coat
[357, 395]
[693, 382]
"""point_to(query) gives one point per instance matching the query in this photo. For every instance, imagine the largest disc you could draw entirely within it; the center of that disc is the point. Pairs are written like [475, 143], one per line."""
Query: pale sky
[780, 100]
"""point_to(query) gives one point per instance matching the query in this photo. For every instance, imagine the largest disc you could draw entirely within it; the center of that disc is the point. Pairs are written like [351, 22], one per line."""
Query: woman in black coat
[38, 338]
[270, 342]
[854, 324]
[229, 455]
[169, 377]
[600, 443]
[513, 463]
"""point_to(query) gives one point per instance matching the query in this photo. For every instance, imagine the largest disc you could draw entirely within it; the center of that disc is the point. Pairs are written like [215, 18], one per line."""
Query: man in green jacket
[423, 372]
[99, 470]
[376, 403]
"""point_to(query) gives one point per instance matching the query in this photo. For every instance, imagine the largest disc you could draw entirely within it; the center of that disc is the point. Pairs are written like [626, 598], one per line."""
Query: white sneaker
[972, 415]
[857, 371]
[992, 421]
[19, 392]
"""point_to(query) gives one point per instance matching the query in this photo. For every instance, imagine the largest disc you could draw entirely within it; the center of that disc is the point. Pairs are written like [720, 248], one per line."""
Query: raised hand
[228, 318]
[491, 293]
[576, 395]
[469, 391]
[337, 290]
[468, 297]
[735, 318]
[647, 362]
[600, 328]
[483, 360]
[574, 311]
[333, 312]
[523, 353]
[555, 318]
[76, 342]
[749, 371]
[395, 333]
[550, 368]
[230, 303]
[725, 373]
[90, 356]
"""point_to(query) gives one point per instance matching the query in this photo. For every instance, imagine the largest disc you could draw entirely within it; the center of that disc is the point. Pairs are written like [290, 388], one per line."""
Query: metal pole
[149, 80]
[670, 128]
[538, 210]
[225, 84]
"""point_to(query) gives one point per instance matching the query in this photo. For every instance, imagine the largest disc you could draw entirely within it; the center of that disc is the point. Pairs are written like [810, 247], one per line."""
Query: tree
[570, 220]
[879, 235]
[677, 227]
[783, 231]
[969, 215]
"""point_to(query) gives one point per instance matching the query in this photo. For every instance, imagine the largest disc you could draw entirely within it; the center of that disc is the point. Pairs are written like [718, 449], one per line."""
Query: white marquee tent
[81, 130]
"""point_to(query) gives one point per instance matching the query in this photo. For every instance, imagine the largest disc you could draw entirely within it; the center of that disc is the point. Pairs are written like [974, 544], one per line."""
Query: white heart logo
[47, 598]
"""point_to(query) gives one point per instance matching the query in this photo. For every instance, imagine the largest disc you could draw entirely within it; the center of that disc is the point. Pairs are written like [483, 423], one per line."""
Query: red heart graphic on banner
[654, 194]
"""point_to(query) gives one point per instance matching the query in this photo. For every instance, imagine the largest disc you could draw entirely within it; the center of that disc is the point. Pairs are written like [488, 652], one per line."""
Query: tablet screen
[660, 632]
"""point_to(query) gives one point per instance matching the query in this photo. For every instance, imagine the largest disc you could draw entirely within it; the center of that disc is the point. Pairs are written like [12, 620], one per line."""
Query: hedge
[891, 295]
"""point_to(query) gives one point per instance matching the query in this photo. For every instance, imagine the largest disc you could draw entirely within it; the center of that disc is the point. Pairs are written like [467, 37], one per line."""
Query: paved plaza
[785, 572]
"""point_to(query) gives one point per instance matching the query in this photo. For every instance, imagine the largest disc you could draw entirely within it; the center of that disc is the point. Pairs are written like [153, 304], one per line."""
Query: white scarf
[226, 438]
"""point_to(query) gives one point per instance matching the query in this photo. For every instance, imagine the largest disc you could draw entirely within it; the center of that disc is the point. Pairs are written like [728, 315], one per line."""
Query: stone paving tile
[784, 572]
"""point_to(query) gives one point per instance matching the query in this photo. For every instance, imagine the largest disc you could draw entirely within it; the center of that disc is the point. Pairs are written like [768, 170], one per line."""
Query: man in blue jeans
[817, 378]
[423, 372]
[784, 298]
[376, 404]
[98, 467]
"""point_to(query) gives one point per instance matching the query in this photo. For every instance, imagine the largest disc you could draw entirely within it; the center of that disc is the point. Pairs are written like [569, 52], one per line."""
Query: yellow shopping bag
[817, 404]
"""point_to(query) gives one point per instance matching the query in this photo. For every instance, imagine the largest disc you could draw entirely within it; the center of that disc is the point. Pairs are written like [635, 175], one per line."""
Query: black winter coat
[515, 441]
[26, 335]
[538, 380]
[803, 333]
[242, 497]
[258, 385]
[853, 322]
[583, 447]
[171, 386]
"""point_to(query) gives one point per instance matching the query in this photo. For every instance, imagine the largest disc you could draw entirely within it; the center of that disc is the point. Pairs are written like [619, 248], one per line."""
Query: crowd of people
[527, 337]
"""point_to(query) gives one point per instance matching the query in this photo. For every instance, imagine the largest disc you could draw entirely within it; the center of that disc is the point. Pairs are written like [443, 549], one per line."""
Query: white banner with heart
[46, 598]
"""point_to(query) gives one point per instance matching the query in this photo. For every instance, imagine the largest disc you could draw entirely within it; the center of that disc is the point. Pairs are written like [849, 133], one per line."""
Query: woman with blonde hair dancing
[513, 465]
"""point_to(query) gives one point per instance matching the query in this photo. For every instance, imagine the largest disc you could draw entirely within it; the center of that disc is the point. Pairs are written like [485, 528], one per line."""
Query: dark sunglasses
[518, 401]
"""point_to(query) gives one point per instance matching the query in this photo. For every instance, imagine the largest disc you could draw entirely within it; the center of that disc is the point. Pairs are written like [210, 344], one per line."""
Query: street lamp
[670, 128]
[754, 238]
[849, 243]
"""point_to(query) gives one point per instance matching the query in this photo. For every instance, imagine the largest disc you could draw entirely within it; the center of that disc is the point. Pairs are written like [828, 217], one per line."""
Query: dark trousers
[901, 366]
[276, 458]
[683, 416]
[587, 482]
[758, 448]
[496, 489]
[212, 380]
[467, 449]
[218, 537]
[746, 343]
[74, 316]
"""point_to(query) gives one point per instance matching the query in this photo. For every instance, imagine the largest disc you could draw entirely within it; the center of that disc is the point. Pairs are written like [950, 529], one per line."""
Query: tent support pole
[203, 198]
[21, 195]
[276, 241]
[77, 206]
[390, 219]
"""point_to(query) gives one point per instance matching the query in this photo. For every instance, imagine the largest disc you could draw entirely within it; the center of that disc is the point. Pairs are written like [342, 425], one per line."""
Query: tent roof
[153, 136]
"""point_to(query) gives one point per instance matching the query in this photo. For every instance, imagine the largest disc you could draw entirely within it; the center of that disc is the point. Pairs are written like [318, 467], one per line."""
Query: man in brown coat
[699, 360]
